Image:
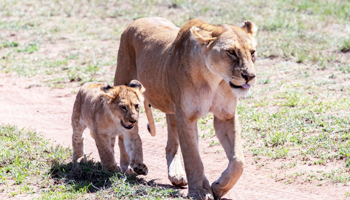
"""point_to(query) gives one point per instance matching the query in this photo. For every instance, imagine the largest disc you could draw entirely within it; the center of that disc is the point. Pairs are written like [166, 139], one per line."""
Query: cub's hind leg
[176, 173]
[78, 141]
[78, 130]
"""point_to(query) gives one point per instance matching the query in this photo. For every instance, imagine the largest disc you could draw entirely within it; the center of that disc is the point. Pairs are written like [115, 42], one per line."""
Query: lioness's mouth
[125, 126]
[245, 86]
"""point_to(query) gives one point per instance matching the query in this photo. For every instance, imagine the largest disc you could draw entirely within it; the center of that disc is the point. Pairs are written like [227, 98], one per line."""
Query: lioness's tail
[151, 125]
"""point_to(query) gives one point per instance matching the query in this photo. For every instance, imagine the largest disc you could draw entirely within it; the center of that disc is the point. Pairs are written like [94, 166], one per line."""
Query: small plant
[7, 44]
[345, 46]
[29, 48]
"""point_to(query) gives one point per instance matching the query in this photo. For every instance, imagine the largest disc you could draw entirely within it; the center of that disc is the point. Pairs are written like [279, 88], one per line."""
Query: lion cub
[108, 112]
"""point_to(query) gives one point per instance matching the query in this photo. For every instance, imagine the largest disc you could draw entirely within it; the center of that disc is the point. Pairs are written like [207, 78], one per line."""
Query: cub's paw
[111, 168]
[140, 169]
[82, 159]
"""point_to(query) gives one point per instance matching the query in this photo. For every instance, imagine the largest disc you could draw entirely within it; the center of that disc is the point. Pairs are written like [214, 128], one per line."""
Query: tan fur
[108, 112]
[189, 72]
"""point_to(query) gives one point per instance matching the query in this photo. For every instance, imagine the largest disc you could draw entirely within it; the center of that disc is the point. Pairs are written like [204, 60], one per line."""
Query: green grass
[30, 166]
[298, 111]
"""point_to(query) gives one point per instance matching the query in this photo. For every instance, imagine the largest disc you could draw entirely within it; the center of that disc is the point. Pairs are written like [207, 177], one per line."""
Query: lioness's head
[230, 52]
[124, 102]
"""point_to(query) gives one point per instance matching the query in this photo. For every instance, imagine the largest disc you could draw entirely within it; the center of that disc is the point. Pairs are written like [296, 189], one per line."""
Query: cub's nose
[248, 77]
[132, 121]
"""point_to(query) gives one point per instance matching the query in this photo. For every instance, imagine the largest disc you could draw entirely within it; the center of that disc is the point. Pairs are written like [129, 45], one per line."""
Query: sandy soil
[48, 111]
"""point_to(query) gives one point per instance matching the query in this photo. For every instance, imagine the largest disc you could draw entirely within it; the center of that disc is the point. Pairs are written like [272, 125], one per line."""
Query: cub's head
[230, 52]
[124, 102]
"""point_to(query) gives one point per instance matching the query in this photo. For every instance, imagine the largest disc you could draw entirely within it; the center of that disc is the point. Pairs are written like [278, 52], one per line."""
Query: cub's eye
[232, 52]
[252, 53]
[122, 107]
[137, 106]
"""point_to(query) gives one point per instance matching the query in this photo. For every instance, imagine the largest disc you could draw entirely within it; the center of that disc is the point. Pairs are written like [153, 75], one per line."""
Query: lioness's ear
[202, 36]
[250, 28]
[137, 84]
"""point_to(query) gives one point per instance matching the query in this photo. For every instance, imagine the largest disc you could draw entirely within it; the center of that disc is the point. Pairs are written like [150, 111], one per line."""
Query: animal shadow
[91, 177]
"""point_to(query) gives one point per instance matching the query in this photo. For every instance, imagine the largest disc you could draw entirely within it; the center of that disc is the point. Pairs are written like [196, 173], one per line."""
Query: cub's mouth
[125, 126]
[244, 86]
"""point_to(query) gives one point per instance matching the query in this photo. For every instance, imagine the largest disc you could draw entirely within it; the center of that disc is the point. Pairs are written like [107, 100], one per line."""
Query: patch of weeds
[206, 122]
[276, 138]
[338, 176]
[347, 194]
[25, 158]
[287, 165]
[214, 143]
[345, 46]
[344, 68]
[332, 76]
[208, 134]
[264, 81]
[319, 162]
[8, 44]
[29, 48]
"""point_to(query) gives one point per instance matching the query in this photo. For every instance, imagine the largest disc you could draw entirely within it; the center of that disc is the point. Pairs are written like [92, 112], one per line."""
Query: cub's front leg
[131, 152]
[106, 152]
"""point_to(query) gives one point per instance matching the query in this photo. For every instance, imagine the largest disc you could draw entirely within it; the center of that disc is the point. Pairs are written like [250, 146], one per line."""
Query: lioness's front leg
[133, 147]
[176, 173]
[228, 132]
[198, 184]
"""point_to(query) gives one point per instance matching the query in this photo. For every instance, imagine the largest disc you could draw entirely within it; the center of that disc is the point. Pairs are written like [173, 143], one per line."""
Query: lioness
[189, 72]
[108, 112]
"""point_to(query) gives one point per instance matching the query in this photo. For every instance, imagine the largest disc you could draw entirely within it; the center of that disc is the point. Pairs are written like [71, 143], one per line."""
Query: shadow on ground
[93, 178]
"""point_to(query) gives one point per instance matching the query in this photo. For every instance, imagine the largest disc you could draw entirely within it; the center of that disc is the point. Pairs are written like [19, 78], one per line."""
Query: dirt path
[48, 111]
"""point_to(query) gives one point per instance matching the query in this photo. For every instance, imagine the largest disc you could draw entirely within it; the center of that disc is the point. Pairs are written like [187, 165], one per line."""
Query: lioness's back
[145, 39]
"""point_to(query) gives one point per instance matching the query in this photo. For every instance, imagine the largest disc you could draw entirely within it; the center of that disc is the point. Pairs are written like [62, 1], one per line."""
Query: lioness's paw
[178, 180]
[140, 169]
[218, 191]
[201, 194]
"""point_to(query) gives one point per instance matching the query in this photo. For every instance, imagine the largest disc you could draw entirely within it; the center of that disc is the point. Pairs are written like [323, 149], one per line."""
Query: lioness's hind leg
[126, 62]
[176, 173]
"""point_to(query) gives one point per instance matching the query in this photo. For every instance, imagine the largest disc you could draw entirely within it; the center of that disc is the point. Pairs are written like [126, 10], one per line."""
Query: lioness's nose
[248, 77]
[132, 121]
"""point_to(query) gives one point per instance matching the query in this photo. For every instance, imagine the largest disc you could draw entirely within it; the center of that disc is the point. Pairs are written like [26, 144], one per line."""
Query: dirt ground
[48, 111]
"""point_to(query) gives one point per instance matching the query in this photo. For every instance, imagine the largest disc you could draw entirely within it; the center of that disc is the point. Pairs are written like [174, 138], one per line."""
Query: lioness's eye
[232, 52]
[252, 53]
[122, 107]
[136, 106]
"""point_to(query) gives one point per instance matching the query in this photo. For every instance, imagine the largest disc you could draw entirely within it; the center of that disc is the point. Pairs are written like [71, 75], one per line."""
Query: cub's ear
[202, 36]
[108, 93]
[137, 84]
[105, 88]
[250, 28]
